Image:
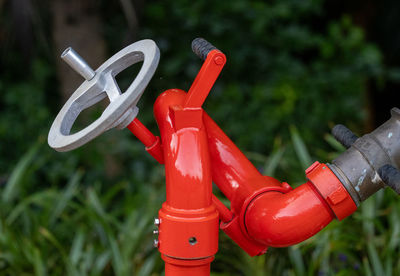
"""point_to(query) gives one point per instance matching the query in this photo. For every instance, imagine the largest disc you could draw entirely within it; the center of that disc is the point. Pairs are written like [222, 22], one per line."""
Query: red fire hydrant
[196, 152]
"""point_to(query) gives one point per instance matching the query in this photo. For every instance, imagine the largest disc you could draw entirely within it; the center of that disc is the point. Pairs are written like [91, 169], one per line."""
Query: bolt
[157, 221]
[156, 243]
[155, 232]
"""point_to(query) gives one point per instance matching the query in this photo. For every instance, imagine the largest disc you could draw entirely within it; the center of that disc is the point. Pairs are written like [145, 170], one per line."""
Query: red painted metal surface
[178, 267]
[151, 142]
[142, 133]
[304, 209]
[232, 172]
[264, 212]
[280, 220]
[188, 213]
[188, 229]
[224, 214]
[332, 190]
[284, 219]
[205, 79]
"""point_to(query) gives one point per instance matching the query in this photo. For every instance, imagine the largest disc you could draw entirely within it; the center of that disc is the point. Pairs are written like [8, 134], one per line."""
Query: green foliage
[77, 229]
[286, 65]
[24, 112]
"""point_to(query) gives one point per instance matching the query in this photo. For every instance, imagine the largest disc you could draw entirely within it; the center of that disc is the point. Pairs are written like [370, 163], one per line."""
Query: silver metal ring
[122, 108]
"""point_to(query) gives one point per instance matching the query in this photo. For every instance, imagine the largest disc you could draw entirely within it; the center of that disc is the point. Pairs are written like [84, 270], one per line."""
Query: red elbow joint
[236, 228]
[284, 218]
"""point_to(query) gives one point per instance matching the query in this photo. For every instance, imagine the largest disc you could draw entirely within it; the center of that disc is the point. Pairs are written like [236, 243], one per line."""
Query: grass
[79, 229]
[94, 228]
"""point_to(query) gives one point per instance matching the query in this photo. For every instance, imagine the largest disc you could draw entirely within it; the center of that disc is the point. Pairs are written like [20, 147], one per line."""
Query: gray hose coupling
[362, 168]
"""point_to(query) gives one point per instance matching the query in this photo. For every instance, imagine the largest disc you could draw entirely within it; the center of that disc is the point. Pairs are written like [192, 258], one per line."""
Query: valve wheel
[98, 85]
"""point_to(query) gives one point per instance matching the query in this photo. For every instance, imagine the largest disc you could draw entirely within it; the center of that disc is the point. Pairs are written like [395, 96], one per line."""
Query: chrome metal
[157, 221]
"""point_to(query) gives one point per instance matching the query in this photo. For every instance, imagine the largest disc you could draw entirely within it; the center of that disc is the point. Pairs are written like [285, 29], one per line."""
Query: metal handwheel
[98, 85]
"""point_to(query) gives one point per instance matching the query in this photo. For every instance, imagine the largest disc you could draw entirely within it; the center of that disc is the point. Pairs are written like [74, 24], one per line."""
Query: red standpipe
[188, 231]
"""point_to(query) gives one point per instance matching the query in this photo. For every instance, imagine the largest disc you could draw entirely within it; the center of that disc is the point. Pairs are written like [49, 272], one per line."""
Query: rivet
[219, 60]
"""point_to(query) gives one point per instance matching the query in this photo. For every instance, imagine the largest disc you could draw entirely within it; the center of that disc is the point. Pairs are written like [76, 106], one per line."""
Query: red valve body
[264, 212]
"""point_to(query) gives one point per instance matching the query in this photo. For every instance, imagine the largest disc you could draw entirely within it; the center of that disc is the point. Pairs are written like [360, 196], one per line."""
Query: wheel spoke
[112, 88]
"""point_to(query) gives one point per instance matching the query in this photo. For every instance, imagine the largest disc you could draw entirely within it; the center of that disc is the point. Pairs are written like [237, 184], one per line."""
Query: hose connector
[362, 168]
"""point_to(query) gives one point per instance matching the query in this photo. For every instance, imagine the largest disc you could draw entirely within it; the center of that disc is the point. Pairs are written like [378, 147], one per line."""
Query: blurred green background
[295, 69]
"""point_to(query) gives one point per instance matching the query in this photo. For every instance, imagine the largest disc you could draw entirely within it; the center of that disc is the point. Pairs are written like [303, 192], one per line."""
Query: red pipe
[188, 229]
[232, 172]
[176, 267]
[224, 214]
[142, 133]
[280, 220]
[267, 212]
[151, 142]
[187, 161]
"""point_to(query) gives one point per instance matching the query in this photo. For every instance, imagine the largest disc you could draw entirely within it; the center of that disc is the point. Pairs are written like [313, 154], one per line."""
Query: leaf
[18, 173]
[116, 256]
[50, 237]
[273, 161]
[375, 261]
[101, 261]
[40, 269]
[300, 148]
[77, 247]
[148, 265]
[42, 198]
[95, 203]
[66, 196]
[335, 144]
[297, 260]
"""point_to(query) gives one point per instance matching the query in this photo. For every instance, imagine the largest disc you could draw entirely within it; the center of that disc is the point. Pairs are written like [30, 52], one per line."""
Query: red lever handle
[208, 74]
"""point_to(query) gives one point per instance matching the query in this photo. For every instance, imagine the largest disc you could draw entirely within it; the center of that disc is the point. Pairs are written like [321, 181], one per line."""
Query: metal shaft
[77, 63]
